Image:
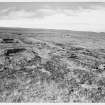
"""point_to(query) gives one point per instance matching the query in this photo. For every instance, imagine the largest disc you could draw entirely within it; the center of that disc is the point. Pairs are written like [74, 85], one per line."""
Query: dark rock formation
[13, 51]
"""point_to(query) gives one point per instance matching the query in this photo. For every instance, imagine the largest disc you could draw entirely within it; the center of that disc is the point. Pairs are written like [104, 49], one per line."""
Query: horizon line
[48, 29]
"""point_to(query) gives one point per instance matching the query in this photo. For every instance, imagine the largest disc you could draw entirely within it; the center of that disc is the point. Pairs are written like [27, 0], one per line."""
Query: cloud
[11, 13]
[14, 13]
[56, 18]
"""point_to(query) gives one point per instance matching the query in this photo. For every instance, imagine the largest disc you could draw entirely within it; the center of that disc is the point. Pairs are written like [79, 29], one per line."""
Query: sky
[78, 16]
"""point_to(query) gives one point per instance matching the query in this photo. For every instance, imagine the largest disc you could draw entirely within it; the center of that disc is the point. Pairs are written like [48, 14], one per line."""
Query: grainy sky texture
[82, 16]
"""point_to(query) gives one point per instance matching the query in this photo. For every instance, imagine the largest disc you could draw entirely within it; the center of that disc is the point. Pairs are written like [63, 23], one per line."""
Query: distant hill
[38, 30]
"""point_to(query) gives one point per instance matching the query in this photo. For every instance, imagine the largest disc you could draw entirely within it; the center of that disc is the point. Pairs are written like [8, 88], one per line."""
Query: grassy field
[41, 65]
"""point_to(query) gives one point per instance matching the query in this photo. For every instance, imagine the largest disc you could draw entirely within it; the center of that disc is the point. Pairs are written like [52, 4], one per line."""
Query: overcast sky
[81, 16]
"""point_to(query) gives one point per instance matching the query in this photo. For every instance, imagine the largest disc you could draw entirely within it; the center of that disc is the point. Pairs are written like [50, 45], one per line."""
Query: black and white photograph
[52, 52]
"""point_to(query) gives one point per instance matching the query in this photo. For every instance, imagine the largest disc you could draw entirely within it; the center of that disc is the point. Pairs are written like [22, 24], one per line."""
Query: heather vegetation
[35, 70]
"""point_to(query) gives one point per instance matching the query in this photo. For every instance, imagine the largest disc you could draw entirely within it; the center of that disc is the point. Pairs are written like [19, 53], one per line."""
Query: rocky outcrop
[9, 40]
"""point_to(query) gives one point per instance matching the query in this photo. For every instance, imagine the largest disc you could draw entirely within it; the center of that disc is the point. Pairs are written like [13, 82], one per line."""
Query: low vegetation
[48, 71]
